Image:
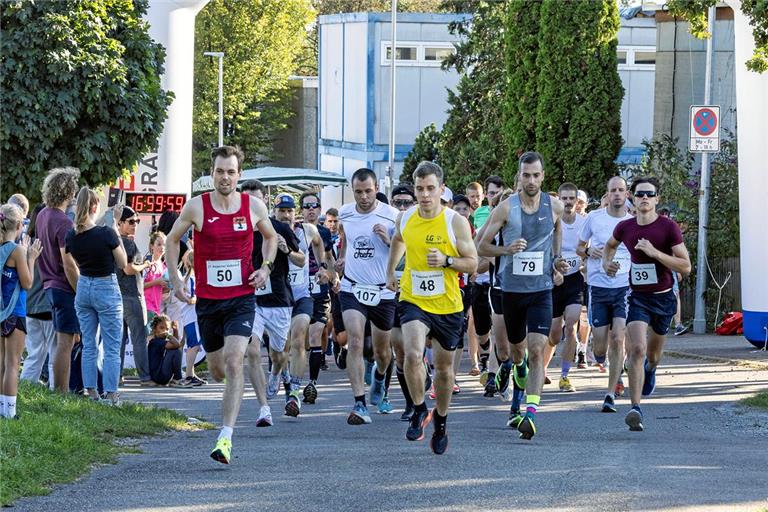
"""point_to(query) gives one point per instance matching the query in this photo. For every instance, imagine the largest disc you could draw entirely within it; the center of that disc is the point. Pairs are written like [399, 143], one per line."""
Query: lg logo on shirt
[433, 240]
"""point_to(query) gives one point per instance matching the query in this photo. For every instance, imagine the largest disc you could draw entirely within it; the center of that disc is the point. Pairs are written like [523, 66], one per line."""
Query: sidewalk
[734, 349]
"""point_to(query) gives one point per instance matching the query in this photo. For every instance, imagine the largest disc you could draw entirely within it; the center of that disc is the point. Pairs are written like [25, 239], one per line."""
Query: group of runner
[401, 277]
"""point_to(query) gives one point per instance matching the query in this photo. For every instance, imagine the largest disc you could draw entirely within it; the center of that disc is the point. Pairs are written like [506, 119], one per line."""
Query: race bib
[625, 263]
[644, 273]
[528, 263]
[369, 295]
[296, 276]
[574, 262]
[265, 290]
[224, 273]
[427, 284]
[314, 285]
[399, 276]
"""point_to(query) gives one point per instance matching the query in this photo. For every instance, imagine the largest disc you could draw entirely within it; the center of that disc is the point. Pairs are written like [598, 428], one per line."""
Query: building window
[636, 57]
[437, 54]
[404, 53]
[645, 57]
[417, 53]
[622, 56]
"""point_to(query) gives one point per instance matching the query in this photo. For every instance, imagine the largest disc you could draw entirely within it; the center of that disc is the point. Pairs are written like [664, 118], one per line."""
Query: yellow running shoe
[222, 452]
[565, 384]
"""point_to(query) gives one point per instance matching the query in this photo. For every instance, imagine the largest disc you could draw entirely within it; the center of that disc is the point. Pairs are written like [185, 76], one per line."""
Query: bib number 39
[427, 284]
[367, 295]
[528, 263]
[224, 273]
[644, 273]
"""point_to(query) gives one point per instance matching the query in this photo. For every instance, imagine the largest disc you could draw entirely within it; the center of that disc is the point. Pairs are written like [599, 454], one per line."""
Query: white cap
[447, 195]
[582, 196]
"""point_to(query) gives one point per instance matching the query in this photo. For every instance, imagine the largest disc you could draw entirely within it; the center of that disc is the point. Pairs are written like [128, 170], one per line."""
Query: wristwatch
[448, 262]
[268, 264]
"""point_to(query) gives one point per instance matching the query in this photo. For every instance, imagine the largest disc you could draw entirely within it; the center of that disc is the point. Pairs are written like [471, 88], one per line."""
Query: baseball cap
[285, 201]
[403, 189]
[128, 213]
[460, 198]
[582, 196]
[447, 195]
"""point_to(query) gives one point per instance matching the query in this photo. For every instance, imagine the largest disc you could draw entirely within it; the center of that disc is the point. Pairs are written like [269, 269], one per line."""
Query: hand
[595, 252]
[561, 265]
[339, 266]
[392, 283]
[611, 268]
[259, 277]
[647, 247]
[336, 287]
[436, 258]
[382, 233]
[518, 245]
[322, 276]
[281, 245]
[33, 249]
[557, 278]
[178, 289]
[117, 212]
[76, 338]
[473, 277]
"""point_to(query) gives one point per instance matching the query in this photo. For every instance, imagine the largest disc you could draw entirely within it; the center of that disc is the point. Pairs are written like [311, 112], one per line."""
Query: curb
[737, 362]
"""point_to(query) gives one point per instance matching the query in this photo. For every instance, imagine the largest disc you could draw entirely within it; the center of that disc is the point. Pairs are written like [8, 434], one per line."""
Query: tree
[425, 148]
[79, 86]
[261, 40]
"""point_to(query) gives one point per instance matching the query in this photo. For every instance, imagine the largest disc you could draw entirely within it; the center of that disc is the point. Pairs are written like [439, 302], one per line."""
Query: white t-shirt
[597, 229]
[299, 276]
[366, 255]
[571, 242]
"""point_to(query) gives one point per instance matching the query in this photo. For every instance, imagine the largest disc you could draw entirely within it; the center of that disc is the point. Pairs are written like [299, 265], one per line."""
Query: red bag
[733, 323]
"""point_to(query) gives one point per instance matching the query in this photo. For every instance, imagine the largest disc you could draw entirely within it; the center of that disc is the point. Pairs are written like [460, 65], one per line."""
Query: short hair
[60, 186]
[166, 221]
[495, 180]
[427, 168]
[646, 179]
[226, 152]
[308, 193]
[332, 211]
[363, 174]
[20, 201]
[567, 186]
[530, 157]
[162, 317]
[249, 185]
[607, 183]
[475, 186]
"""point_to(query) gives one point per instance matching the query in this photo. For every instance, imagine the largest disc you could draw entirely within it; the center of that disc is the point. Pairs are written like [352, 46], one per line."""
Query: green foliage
[425, 148]
[79, 86]
[261, 40]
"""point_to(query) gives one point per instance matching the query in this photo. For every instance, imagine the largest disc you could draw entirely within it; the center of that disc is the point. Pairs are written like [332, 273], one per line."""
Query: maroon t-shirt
[663, 234]
[51, 228]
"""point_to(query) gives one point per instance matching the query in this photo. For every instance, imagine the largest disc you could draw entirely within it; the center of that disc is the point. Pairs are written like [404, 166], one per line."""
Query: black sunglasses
[645, 193]
[133, 221]
[307, 206]
[402, 202]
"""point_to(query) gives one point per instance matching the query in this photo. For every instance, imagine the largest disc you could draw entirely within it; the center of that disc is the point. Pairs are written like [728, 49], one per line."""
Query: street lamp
[220, 56]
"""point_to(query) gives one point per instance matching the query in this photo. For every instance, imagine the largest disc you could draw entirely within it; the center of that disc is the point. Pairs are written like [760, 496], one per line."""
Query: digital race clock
[154, 202]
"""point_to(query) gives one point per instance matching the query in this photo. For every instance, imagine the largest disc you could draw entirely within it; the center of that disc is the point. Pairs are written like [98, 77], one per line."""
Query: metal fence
[731, 297]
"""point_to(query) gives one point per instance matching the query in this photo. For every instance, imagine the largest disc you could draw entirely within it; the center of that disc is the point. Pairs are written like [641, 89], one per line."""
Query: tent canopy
[293, 179]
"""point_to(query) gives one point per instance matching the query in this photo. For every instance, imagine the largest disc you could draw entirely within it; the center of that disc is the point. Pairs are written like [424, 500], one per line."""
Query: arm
[396, 251]
[70, 268]
[678, 261]
[466, 262]
[19, 257]
[558, 263]
[121, 259]
[583, 249]
[483, 265]
[269, 245]
[298, 258]
[132, 269]
[318, 249]
[609, 251]
[172, 343]
[494, 224]
[183, 223]
[339, 265]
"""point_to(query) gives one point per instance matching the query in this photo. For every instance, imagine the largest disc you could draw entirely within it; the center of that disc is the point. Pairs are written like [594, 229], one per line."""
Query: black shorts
[229, 317]
[397, 324]
[303, 306]
[481, 309]
[570, 292]
[382, 316]
[338, 320]
[495, 297]
[655, 309]
[446, 329]
[321, 309]
[12, 323]
[605, 304]
[63, 309]
[527, 313]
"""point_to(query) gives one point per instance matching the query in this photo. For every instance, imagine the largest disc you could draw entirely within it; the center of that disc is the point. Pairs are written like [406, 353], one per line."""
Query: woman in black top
[97, 250]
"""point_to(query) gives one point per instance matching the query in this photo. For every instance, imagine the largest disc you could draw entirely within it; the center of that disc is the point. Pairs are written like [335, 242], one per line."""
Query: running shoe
[310, 393]
[490, 389]
[293, 404]
[222, 452]
[341, 361]
[581, 361]
[324, 365]
[527, 427]
[377, 388]
[384, 406]
[474, 371]
[439, 441]
[273, 386]
[608, 404]
[407, 413]
[428, 380]
[649, 383]
[547, 380]
[634, 419]
[565, 385]
[483, 377]
[432, 394]
[359, 415]
[619, 389]
[515, 418]
[681, 329]
[265, 417]
[369, 366]
[502, 384]
[197, 381]
[520, 373]
[419, 420]
[456, 388]
[600, 367]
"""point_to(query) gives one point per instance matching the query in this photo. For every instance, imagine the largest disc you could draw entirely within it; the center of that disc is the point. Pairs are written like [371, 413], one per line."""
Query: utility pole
[220, 56]
[392, 81]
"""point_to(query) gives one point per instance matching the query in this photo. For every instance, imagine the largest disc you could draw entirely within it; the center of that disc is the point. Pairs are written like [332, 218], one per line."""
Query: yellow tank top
[434, 290]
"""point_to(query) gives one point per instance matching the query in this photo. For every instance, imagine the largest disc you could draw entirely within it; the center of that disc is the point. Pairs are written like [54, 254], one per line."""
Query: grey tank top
[537, 229]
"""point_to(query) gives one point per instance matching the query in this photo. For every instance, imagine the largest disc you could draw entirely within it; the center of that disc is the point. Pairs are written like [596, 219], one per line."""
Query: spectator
[164, 353]
[189, 322]
[97, 250]
[41, 337]
[58, 270]
[21, 201]
[132, 292]
[17, 263]
[153, 277]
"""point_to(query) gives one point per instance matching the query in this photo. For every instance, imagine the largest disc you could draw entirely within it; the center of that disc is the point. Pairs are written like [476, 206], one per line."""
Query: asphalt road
[699, 452]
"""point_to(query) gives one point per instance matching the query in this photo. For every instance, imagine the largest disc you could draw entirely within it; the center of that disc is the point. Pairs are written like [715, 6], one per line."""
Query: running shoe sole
[219, 457]
[263, 422]
[484, 378]
[407, 414]
[527, 429]
[418, 434]
[356, 419]
[310, 394]
[608, 406]
[439, 444]
[634, 420]
[292, 407]
[515, 421]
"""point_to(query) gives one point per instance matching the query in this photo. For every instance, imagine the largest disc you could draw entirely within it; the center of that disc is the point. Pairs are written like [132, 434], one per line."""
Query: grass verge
[759, 400]
[58, 438]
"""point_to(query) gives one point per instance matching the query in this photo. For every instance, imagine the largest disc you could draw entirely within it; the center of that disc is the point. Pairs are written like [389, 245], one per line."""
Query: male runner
[437, 243]
[365, 226]
[607, 295]
[568, 296]
[656, 247]
[530, 225]
[224, 222]
[478, 213]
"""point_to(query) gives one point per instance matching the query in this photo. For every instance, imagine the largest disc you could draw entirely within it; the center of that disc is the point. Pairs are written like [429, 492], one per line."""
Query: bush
[425, 148]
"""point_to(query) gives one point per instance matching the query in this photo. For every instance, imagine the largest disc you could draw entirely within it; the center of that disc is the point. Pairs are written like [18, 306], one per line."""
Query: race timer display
[154, 202]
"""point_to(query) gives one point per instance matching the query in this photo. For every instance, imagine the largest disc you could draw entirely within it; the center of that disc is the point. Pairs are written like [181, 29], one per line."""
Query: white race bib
[574, 262]
[224, 273]
[370, 295]
[528, 263]
[266, 289]
[644, 273]
[314, 285]
[625, 263]
[428, 283]
[296, 276]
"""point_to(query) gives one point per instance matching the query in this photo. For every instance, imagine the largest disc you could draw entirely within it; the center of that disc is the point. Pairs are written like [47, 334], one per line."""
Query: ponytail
[86, 199]
[10, 218]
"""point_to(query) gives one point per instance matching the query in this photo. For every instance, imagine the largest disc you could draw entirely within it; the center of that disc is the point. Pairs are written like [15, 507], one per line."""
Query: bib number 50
[224, 273]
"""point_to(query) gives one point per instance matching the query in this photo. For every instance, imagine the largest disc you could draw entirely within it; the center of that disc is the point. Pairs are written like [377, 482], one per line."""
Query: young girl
[164, 354]
[17, 263]
[153, 279]
[189, 321]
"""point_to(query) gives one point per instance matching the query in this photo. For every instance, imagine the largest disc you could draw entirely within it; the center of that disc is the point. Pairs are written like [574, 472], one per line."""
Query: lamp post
[220, 56]
[392, 84]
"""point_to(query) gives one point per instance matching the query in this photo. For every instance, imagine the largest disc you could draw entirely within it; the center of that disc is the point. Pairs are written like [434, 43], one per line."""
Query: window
[636, 57]
[437, 54]
[417, 53]
[622, 56]
[406, 53]
[645, 57]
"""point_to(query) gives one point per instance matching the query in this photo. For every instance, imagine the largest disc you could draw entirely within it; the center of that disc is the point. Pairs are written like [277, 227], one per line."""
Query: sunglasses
[402, 202]
[307, 206]
[133, 222]
[645, 193]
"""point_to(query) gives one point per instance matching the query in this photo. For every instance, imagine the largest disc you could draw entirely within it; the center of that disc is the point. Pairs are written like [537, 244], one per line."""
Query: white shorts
[276, 322]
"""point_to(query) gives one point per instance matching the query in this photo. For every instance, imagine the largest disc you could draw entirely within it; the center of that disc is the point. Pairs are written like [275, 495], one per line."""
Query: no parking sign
[705, 128]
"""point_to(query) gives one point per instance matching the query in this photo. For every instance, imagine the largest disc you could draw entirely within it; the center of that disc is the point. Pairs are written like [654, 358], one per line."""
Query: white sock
[3, 406]
[226, 432]
[10, 403]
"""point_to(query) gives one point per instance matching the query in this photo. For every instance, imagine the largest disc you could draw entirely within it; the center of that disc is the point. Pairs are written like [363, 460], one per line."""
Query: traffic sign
[705, 129]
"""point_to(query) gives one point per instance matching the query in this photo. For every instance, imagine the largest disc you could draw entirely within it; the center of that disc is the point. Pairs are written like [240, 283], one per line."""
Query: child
[17, 263]
[189, 320]
[153, 277]
[164, 354]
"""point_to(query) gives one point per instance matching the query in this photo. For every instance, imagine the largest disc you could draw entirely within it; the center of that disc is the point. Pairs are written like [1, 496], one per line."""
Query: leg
[37, 350]
[135, 320]
[232, 357]
[444, 378]
[473, 340]
[555, 334]
[88, 317]
[572, 313]
[62, 359]
[615, 352]
[354, 322]
[110, 315]
[382, 350]
[256, 372]
[11, 357]
[190, 357]
[536, 345]
[298, 349]
[414, 339]
[636, 350]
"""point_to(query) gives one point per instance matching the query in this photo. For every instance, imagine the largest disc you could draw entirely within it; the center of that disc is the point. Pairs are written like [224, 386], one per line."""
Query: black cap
[403, 189]
[128, 213]
[382, 197]
[460, 198]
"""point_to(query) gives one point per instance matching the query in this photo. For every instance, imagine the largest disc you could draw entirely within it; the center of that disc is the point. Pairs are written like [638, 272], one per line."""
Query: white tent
[292, 179]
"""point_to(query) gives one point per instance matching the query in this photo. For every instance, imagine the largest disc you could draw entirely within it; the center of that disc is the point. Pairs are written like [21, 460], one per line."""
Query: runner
[568, 294]
[530, 225]
[437, 243]
[365, 226]
[607, 296]
[224, 222]
[656, 246]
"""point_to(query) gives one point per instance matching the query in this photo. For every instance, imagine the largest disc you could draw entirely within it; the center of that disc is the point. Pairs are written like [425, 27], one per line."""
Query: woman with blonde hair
[97, 250]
